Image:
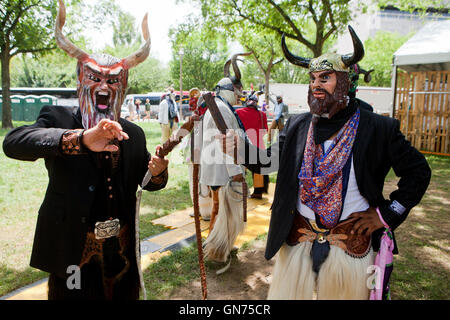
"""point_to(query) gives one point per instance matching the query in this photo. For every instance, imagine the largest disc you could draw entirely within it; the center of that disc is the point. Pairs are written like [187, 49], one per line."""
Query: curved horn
[226, 69]
[292, 58]
[237, 72]
[358, 50]
[367, 76]
[142, 54]
[62, 42]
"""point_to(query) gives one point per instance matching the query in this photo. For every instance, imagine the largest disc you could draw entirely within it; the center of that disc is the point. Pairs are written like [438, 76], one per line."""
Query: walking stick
[166, 148]
[222, 126]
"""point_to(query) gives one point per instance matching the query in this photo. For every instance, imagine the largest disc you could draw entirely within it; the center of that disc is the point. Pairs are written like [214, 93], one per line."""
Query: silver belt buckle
[107, 229]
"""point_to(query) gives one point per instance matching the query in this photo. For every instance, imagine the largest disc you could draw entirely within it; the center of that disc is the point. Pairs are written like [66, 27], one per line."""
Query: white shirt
[163, 113]
[353, 202]
[216, 168]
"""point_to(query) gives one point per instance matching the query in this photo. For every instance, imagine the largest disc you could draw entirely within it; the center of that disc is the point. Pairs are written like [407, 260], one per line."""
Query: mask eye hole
[93, 78]
[112, 81]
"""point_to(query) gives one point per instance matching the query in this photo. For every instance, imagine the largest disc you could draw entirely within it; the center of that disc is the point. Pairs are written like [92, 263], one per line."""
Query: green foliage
[203, 59]
[414, 5]
[379, 52]
[328, 18]
[147, 76]
[55, 69]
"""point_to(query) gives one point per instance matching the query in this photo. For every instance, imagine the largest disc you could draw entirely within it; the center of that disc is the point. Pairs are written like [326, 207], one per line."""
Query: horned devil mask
[102, 79]
[230, 86]
[338, 100]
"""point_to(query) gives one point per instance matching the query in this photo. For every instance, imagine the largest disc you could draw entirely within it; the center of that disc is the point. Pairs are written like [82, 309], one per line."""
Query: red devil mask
[102, 79]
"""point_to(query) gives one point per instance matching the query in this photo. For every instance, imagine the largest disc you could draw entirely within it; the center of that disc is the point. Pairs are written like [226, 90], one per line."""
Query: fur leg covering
[228, 224]
[293, 277]
[340, 276]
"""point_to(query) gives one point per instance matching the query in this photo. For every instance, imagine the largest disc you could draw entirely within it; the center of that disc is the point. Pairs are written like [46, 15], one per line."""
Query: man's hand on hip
[366, 222]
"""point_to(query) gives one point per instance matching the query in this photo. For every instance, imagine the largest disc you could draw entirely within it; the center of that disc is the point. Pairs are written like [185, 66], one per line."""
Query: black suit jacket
[62, 221]
[379, 146]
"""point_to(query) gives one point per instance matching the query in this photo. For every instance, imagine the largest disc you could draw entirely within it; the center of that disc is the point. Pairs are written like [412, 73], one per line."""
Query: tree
[26, 27]
[420, 6]
[124, 30]
[379, 52]
[147, 76]
[55, 69]
[291, 17]
[265, 50]
[203, 59]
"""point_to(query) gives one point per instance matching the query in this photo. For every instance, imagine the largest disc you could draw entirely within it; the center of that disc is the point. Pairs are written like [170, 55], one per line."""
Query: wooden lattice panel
[422, 107]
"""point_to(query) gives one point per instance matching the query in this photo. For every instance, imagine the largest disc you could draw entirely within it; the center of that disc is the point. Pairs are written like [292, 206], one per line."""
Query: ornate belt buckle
[107, 229]
[321, 238]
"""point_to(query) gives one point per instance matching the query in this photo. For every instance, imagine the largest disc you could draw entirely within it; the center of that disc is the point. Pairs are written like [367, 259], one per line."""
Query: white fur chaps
[340, 277]
[229, 223]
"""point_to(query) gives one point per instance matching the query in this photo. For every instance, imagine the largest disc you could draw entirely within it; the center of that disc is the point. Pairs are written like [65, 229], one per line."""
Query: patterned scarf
[321, 172]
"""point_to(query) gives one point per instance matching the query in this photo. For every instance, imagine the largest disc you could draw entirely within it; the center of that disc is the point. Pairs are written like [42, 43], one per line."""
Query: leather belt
[357, 246]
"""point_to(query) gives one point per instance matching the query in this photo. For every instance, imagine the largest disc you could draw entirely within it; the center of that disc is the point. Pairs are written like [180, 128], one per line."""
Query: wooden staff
[222, 126]
[166, 148]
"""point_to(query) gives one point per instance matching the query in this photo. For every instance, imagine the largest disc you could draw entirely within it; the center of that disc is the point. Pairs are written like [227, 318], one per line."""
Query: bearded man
[87, 235]
[329, 212]
[221, 174]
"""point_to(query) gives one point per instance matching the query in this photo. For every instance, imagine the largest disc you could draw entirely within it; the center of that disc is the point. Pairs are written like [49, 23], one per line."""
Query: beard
[332, 103]
[91, 115]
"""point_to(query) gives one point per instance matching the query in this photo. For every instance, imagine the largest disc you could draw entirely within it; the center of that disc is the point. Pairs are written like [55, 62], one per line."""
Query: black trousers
[94, 285]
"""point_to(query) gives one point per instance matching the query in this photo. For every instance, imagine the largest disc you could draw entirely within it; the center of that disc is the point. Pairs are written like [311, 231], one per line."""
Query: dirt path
[247, 279]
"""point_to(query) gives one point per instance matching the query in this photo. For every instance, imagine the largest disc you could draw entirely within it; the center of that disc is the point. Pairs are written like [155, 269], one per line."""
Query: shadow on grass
[12, 279]
[171, 272]
[422, 268]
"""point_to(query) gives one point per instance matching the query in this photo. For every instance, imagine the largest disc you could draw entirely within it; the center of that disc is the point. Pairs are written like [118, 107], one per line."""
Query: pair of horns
[233, 62]
[348, 59]
[75, 52]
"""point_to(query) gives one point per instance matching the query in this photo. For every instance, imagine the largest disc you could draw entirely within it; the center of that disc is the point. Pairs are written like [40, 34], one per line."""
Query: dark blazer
[379, 146]
[73, 179]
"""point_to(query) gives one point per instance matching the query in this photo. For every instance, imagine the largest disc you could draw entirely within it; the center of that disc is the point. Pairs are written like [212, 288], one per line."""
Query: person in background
[168, 115]
[138, 111]
[131, 109]
[281, 112]
[255, 124]
[147, 109]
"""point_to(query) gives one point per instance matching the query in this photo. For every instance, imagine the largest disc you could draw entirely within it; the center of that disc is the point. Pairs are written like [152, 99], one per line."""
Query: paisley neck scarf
[321, 172]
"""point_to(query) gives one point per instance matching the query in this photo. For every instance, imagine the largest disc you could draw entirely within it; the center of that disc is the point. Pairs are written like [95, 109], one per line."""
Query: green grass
[22, 189]
[422, 267]
[171, 272]
[421, 270]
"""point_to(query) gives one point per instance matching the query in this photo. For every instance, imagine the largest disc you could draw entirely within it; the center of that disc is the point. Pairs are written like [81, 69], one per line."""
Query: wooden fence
[422, 106]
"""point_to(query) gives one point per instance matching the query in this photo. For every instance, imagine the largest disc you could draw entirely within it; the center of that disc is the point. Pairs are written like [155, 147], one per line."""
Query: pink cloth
[384, 258]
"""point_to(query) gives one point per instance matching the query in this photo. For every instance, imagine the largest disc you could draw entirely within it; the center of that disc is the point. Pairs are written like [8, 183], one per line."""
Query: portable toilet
[29, 107]
[44, 100]
[17, 113]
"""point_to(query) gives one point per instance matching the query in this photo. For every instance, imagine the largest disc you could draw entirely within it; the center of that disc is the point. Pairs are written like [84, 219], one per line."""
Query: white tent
[427, 50]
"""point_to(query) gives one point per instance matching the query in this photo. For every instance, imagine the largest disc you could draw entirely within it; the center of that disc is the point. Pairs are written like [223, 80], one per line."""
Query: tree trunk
[6, 92]
[266, 86]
